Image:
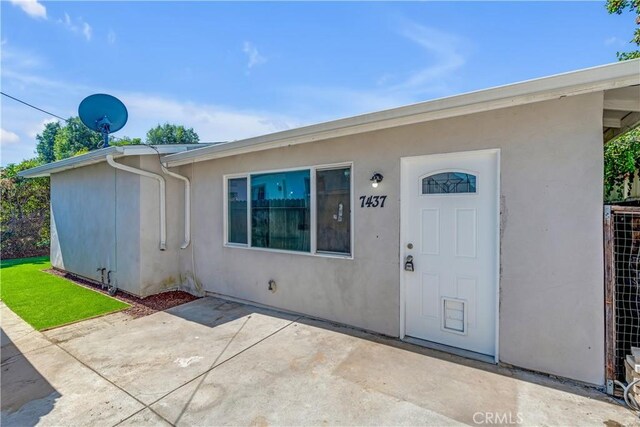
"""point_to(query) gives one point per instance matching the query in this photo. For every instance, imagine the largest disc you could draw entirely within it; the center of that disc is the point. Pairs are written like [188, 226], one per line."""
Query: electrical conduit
[161, 181]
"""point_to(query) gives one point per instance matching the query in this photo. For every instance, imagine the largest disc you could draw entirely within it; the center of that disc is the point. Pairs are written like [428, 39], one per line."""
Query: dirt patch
[139, 306]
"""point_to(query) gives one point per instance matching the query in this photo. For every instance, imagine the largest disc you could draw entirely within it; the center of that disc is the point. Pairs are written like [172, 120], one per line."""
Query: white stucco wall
[88, 231]
[551, 303]
[103, 217]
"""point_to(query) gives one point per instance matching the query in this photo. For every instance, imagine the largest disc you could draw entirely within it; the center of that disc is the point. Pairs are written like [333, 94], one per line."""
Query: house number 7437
[372, 201]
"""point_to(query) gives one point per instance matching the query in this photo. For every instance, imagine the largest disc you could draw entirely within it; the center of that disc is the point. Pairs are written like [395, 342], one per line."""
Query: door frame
[403, 224]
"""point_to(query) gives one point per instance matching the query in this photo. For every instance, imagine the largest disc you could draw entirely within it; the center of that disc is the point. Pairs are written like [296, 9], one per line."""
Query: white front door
[450, 229]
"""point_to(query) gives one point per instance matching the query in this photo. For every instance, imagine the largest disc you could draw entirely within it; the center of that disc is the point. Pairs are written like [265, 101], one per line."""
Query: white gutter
[187, 205]
[160, 179]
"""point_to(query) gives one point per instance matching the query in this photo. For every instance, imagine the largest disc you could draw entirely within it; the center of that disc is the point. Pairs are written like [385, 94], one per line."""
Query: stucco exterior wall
[103, 217]
[94, 223]
[551, 297]
[159, 270]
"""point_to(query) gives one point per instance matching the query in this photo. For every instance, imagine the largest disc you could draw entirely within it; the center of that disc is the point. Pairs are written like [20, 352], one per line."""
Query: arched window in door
[449, 183]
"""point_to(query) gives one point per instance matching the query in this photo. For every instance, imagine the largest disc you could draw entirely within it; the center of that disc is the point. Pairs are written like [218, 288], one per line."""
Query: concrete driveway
[212, 362]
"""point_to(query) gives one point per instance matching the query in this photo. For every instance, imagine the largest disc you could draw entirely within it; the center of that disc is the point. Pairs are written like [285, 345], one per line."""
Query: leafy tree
[46, 141]
[24, 218]
[73, 138]
[125, 140]
[171, 134]
[618, 7]
[621, 162]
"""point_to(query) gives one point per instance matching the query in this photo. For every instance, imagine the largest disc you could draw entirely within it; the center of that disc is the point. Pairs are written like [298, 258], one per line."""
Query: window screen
[449, 182]
[333, 204]
[237, 210]
[280, 210]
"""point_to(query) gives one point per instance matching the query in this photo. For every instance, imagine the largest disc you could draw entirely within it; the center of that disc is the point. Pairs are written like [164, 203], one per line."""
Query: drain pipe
[160, 179]
[187, 205]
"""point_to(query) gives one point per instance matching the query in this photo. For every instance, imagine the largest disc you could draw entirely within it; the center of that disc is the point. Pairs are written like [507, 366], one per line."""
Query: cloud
[8, 137]
[77, 26]
[111, 37]
[86, 30]
[32, 8]
[609, 41]
[211, 122]
[443, 55]
[39, 127]
[254, 57]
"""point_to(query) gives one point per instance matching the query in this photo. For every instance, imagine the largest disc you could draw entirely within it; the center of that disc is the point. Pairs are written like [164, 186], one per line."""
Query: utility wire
[33, 106]
[67, 120]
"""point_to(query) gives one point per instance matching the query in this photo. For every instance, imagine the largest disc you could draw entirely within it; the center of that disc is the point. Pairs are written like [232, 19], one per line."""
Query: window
[281, 211]
[333, 204]
[448, 183]
[237, 210]
[285, 214]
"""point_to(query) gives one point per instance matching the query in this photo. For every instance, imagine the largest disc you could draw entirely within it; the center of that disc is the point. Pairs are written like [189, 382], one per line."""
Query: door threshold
[468, 354]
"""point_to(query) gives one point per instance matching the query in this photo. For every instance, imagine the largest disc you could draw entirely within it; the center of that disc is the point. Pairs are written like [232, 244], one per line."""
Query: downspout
[160, 179]
[187, 205]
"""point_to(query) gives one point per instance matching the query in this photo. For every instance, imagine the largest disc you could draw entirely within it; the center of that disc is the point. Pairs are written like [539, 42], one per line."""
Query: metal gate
[622, 288]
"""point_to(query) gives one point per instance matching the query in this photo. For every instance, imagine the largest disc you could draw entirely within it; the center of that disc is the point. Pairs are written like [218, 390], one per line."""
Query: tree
[171, 134]
[24, 218]
[125, 140]
[75, 138]
[618, 7]
[621, 163]
[46, 141]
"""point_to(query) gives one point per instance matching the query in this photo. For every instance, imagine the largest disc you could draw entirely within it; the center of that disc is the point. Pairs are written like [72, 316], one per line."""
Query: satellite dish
[103, 113]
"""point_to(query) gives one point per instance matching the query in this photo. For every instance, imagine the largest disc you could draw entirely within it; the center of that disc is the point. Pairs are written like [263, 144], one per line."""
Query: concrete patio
[213, 362]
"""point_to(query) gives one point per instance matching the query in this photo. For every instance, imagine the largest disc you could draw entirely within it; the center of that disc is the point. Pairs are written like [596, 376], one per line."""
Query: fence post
[609, 300]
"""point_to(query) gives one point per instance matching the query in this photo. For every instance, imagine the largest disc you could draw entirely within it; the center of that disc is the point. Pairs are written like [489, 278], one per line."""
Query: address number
[372, 201]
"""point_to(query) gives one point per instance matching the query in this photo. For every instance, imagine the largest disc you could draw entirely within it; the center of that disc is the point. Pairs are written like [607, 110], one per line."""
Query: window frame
[312, 214]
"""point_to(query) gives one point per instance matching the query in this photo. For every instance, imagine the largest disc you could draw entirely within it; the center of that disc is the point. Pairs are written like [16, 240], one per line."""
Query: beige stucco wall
[551, 297]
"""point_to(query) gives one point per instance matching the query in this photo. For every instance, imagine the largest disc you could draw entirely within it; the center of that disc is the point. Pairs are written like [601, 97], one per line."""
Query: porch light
[376, 179]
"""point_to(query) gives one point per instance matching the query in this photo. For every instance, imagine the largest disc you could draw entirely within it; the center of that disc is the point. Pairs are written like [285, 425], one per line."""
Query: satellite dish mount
[104, 114]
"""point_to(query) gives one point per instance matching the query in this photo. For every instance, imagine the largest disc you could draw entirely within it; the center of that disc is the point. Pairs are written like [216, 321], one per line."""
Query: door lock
[408, 263]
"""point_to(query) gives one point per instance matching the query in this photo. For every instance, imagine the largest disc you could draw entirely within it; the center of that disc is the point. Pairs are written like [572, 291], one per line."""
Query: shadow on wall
[25, 395]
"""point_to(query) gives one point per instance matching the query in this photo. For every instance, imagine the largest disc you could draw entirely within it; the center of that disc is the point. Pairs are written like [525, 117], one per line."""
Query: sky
[236, 70]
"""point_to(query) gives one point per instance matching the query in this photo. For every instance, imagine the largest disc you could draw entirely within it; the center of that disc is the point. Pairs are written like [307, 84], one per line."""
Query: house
[473, 222]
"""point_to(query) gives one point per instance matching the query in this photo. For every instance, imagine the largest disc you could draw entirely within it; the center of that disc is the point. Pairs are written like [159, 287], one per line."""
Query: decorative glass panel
[448, 183]
[333, 203]
[237, 210]
[280, 210]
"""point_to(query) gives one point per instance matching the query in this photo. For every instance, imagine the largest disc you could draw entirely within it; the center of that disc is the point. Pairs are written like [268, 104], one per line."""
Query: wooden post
[609, 300]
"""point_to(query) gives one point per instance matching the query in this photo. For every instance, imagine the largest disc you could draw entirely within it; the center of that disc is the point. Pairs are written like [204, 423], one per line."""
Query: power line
[33, 106]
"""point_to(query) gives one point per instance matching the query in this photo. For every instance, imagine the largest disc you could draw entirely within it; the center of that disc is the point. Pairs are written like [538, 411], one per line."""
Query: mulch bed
[140, 307]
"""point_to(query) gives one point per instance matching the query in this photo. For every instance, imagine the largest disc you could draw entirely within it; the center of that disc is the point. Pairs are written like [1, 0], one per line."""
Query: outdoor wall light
[376, 179]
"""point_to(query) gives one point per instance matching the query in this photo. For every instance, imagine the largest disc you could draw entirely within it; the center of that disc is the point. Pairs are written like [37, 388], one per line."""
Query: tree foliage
[75, 138]
[46, 141]
[618, 7]
[621, 162]
[24, 218]
[171, 134]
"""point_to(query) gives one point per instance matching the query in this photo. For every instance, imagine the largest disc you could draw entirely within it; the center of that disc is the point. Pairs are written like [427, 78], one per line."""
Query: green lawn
[44, 300]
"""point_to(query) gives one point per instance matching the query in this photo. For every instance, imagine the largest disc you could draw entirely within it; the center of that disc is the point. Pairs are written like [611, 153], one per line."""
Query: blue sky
[234, 70]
